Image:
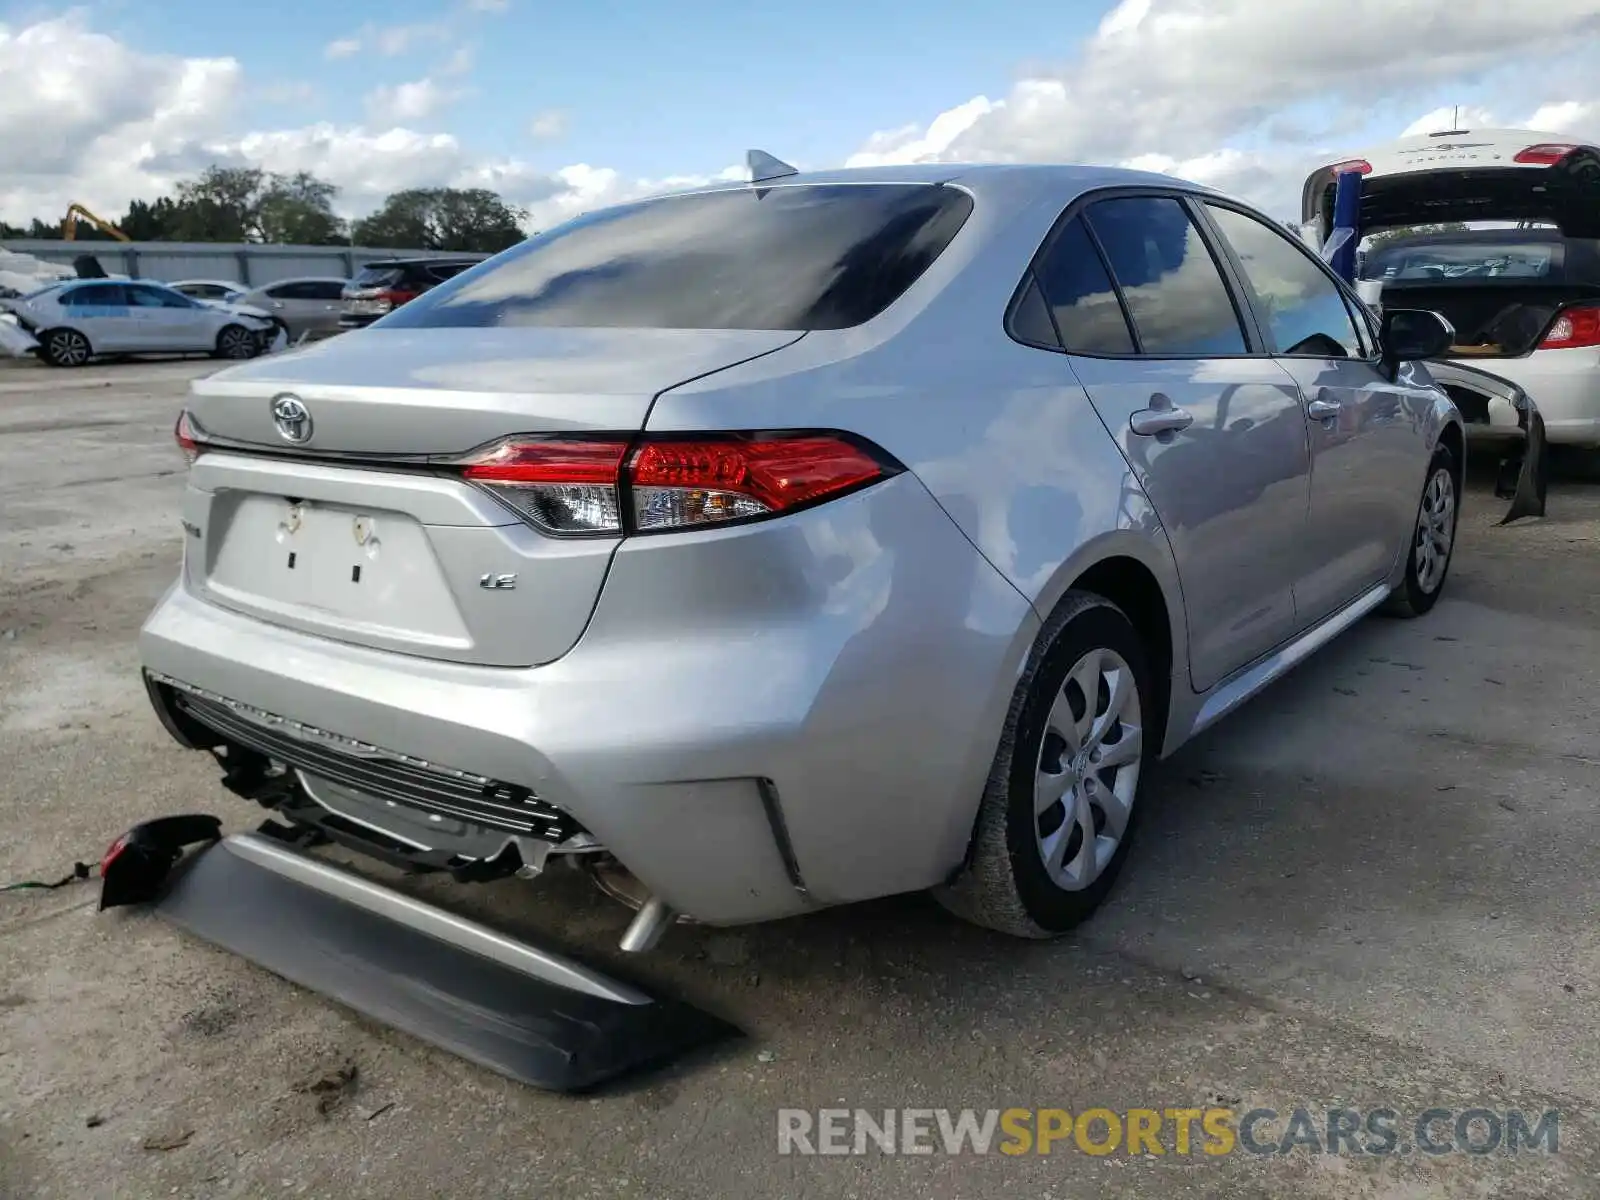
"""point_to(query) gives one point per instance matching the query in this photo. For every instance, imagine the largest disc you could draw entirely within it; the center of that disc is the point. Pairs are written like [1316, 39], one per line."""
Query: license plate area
[348, 570]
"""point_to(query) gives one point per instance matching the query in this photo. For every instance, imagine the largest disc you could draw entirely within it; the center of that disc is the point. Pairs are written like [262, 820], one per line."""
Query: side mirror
[1411, 335]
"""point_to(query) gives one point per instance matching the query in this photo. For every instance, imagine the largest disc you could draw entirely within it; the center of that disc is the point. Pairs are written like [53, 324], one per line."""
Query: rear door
[1210, 425]
[101, 311]
[303, 304]
[1367, 453]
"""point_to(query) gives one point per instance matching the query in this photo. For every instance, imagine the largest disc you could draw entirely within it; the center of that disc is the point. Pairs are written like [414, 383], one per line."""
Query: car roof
[434, 260]
[298, 279]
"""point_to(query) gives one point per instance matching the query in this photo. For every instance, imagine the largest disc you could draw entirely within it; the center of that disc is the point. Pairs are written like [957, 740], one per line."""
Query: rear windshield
[800, 257]
[371, 277]
[1444, 262]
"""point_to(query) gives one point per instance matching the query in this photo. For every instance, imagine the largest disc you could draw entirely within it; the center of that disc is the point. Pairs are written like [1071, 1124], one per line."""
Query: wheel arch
[1454, 438]
[1133, 587]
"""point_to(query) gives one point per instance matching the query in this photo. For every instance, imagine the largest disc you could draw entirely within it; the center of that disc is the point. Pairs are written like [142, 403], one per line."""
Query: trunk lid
[353, 535]
[443, 391]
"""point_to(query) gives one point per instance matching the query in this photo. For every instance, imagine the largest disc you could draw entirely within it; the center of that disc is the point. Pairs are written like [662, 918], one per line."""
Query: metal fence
[237, 262]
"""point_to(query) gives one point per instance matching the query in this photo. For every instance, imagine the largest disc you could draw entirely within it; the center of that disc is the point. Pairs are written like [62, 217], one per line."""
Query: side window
[324, 289]
[1080, 296]
[1174, 290]
[96, 295]
[149, 297]
[1303, 308]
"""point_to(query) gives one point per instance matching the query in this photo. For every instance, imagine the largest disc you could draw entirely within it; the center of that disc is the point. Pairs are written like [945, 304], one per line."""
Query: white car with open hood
[1519, 278]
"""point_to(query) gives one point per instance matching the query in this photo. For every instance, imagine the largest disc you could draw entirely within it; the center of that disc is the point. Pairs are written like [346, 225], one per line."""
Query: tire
[1007, 883]
[235, 341]
[1433, 539]
[65, 348]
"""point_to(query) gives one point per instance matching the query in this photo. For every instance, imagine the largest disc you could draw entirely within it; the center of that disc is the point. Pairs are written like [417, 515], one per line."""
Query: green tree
[463, 219]
[147, 221]
[297, 210]
[222, 205]
[247, 204]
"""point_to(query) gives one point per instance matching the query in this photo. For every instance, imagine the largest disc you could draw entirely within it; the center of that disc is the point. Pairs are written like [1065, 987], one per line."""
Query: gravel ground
[1375, 888]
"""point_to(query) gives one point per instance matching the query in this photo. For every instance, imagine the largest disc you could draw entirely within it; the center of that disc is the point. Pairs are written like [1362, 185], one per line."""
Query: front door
[1212, 429]
[165, 320]
[1367, 458]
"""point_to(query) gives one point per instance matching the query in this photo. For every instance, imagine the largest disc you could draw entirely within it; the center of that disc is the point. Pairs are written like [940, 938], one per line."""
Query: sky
[566, 107]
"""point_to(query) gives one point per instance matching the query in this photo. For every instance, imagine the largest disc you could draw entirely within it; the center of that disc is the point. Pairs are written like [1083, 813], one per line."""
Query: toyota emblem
[292, 419]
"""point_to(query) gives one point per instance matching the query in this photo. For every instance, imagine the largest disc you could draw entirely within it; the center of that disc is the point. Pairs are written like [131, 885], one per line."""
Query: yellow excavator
[76, 213]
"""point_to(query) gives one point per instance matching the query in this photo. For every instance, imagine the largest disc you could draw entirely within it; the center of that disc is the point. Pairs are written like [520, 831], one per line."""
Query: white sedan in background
[72, 322]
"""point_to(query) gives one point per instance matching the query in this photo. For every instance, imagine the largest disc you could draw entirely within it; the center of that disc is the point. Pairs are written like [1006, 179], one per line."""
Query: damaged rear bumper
[532, 1015]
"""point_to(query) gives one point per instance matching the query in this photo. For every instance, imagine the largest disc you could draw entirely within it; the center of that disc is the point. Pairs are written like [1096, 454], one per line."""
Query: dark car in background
[383, 286]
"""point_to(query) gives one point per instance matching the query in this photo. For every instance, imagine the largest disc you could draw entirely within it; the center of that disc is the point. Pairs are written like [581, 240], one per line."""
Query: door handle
[1321, 410]
[1164, 419]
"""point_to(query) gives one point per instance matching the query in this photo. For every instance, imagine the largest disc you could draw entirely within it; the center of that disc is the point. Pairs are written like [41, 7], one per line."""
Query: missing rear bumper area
[395, 807]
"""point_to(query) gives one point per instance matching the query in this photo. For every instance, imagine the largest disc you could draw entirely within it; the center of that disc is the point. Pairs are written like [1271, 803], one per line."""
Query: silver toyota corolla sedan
[787, 544]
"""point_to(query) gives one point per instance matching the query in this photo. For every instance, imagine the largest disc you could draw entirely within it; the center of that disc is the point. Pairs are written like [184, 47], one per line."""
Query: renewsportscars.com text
[1208, 1131]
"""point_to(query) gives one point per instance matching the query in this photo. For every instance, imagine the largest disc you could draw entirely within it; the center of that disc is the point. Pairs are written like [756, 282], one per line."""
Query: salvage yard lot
[1373, 888]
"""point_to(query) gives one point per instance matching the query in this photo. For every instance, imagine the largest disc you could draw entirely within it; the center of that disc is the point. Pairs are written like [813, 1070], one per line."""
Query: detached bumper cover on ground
[525, 1013]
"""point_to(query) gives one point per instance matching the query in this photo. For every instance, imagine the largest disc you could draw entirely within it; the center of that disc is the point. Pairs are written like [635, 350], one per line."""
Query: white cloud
[488, 6]
[1207, 85]
[1235, 93]
[414, 101]
[551, 123]
[1567, 116]
[387, 40]
[459, 63]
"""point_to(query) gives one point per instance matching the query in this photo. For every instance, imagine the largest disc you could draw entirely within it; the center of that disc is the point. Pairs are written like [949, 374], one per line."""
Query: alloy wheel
[69, 348]
[1436, 530]
[236, 343]
[1088, 769]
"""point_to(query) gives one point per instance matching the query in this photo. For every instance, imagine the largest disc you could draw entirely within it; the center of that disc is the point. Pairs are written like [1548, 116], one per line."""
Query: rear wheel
[1433, 539]
[235, 341]
[1059, 811]
[66, 348]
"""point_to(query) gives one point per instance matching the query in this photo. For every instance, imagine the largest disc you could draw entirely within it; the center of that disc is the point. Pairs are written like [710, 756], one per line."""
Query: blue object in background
[1346, 215]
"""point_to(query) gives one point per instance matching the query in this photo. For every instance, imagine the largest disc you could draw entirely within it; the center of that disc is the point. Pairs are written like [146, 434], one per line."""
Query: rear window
[800, 257]
[374, 277]
[1445, 262]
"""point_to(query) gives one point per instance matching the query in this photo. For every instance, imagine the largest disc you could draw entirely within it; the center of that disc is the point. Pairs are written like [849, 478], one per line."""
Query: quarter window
[1303, 309]
[1174, 290]
[1080, 295]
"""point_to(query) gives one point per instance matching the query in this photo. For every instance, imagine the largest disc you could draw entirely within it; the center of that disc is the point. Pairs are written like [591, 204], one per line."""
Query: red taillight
[577, 486]
[1359, 165]
[395, 299]
[677, 484]
[184, 434]
[1575, 328]
[1545, 154]
[566, 487]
